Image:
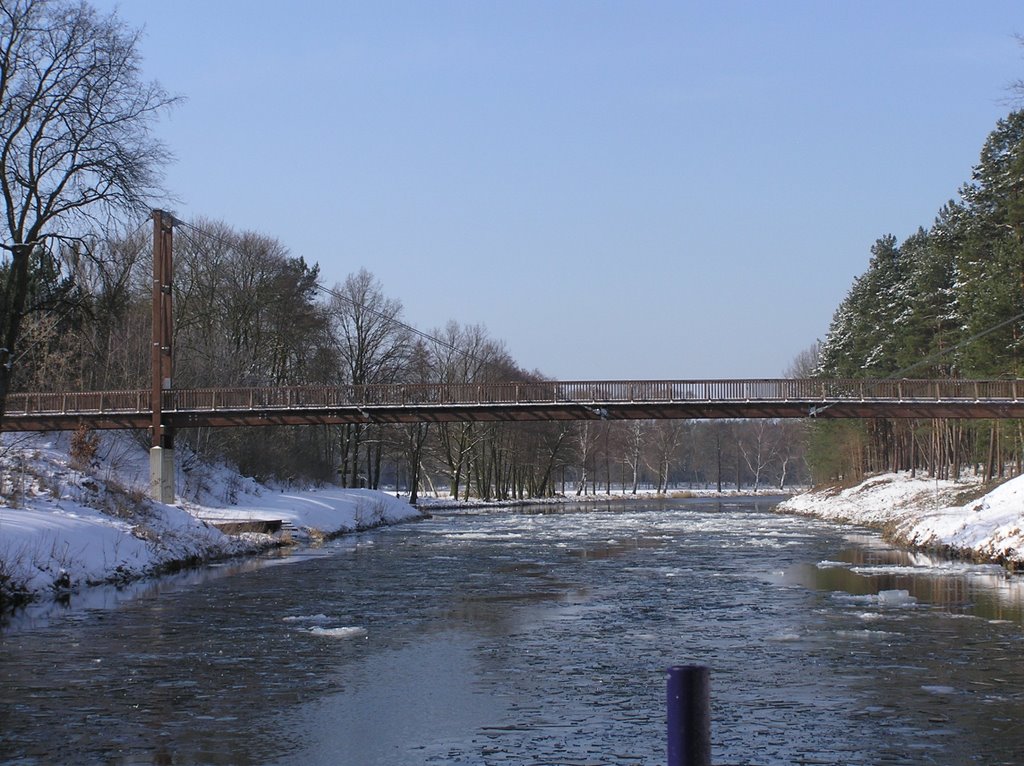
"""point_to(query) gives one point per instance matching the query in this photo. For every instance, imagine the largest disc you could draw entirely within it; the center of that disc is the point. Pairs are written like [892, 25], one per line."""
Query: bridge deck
[547, 400]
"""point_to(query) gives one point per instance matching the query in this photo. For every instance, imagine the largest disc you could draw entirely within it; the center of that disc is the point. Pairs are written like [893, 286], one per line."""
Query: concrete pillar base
[161, 474]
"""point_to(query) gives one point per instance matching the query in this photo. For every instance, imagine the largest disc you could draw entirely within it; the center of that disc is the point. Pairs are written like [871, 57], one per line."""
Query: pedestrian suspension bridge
[547, 400]
[162, 408]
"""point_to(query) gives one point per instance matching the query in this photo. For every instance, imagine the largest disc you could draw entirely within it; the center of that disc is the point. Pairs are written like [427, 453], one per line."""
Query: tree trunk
[990, 463]
[414, 482]
[916, 457]
[12, 310]
[378, 458]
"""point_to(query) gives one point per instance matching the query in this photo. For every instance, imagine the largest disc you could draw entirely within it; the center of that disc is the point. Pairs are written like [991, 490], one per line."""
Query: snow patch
[936, 689]
[64, 526]
[924, 513]
[348, 632]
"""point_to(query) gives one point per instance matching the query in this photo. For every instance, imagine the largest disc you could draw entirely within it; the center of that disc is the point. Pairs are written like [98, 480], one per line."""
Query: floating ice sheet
[343, 632]
[895, 598]
[885, 598]
[313, 618]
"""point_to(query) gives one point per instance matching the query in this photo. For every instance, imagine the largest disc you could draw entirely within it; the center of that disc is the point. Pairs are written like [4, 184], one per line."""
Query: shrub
[85, 443]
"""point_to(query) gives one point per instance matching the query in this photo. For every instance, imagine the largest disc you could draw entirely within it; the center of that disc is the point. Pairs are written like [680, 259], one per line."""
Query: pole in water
[689, 716]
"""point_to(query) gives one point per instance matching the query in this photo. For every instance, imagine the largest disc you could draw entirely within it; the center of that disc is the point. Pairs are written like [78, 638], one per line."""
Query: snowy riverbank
[65, 526]
[926, 513]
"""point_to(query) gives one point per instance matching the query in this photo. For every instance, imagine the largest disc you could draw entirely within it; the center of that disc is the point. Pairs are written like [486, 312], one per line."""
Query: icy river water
[533, 636]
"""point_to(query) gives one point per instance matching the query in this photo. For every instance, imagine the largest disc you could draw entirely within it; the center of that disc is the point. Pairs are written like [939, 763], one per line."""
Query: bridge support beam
[161, 454]
[161, 474]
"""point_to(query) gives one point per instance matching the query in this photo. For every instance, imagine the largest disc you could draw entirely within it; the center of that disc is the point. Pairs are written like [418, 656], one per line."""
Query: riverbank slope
[958, 518]
[69, 520]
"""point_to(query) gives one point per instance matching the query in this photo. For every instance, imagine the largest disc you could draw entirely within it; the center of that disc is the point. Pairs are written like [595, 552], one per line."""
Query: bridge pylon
[161, 454]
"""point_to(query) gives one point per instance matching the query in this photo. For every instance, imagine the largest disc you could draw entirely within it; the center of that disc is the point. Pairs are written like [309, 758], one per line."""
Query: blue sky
[614, 189]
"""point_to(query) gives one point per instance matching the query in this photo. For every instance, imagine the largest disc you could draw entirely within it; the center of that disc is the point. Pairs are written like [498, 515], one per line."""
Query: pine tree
[990, 288]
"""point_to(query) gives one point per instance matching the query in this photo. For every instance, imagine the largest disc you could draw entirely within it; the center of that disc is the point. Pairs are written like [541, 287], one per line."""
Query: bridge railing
[591, 392]
[84, 402]
[524, 393]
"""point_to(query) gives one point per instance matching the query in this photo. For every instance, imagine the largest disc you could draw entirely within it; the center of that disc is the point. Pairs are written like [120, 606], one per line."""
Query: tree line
[947, 302]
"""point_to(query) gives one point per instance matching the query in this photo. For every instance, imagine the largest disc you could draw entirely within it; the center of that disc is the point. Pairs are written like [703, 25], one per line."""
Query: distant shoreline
[439, 503]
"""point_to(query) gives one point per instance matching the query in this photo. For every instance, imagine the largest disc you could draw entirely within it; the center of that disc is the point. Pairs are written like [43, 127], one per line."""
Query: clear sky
[615, 189]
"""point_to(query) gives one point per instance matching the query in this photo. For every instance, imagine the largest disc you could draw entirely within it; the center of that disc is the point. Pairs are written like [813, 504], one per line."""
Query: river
[532, 636]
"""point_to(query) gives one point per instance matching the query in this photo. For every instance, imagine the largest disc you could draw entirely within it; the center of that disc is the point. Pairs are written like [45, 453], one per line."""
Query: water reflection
[868, 566]
[387, 692]
[101, 598]
[616, 548]
[501, 637]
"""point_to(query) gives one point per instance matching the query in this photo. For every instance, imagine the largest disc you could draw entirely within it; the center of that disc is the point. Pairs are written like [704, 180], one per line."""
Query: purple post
[689, 716]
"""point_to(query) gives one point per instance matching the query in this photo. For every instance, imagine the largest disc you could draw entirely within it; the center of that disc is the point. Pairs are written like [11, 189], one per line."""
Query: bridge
[522, 401]
[163, 408]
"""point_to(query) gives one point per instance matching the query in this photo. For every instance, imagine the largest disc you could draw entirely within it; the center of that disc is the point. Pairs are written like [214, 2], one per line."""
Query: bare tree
[373, 346]
[371, 338]
[636, 434]
[466, 355]
[412, 437]
[792, 452]
[115, 338]
[550, 449]
[662, 452]
[1017, 86]
[75, 140]
[586, 446]
[805, 363]
[758, 445]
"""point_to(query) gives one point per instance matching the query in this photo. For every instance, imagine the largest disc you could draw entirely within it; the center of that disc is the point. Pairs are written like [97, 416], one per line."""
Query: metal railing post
[689, 715]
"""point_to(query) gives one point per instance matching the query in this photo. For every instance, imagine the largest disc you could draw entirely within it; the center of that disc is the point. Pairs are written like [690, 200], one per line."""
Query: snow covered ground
[64, 525]
[928, 513]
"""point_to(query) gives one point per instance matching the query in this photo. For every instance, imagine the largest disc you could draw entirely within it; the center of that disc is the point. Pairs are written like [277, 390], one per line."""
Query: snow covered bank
[64, 526]
[926, 513]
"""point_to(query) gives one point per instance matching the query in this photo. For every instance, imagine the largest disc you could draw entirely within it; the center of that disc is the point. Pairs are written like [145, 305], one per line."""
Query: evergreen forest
[947, 302]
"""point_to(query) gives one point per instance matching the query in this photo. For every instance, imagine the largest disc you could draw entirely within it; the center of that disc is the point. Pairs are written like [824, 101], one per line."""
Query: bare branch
[76, 142]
